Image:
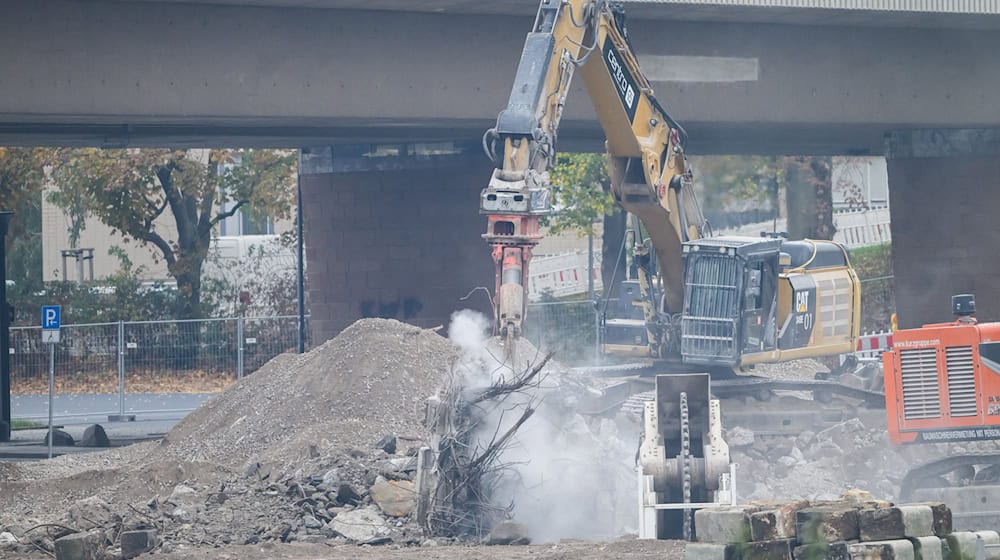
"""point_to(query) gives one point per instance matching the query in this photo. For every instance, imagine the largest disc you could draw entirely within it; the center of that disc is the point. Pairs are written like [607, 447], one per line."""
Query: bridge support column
[944, 190]
[394, 235]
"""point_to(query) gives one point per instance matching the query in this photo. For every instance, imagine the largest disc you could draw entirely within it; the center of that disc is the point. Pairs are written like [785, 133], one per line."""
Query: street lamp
[4, 332]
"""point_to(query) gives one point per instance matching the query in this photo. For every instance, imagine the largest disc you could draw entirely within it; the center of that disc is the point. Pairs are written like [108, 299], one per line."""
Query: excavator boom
[649, 174]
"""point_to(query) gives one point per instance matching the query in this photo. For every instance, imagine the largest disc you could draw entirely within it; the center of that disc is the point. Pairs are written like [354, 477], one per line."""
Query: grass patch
[21, 424]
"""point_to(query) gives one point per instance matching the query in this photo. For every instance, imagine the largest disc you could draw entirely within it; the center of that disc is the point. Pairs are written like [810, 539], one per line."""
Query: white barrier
[855, 228]
[562, 275]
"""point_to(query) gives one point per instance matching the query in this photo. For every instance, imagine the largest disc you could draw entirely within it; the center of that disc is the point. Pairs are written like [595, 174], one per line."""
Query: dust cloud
[567, 475]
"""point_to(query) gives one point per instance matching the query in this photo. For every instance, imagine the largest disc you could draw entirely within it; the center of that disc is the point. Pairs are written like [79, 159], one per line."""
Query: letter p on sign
[50, 317]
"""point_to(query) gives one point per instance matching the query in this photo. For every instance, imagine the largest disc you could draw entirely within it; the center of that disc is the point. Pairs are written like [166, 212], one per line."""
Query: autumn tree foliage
[135, 191]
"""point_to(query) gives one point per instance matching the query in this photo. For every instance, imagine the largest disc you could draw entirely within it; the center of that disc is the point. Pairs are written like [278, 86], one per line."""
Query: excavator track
[768, 407]
[919, 478]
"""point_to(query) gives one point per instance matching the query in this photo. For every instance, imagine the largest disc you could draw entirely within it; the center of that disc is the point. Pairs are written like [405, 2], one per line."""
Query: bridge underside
[391, 241]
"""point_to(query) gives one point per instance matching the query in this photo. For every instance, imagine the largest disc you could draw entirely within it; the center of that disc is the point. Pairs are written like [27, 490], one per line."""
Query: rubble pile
[820, 465]
[312, 447]
[855, 526]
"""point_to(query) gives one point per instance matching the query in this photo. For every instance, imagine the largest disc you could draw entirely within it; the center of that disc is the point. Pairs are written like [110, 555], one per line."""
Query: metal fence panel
[122, 360]
[567, 328]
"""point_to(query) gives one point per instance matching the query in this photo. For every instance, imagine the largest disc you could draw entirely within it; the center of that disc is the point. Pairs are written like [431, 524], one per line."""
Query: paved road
[154, 413]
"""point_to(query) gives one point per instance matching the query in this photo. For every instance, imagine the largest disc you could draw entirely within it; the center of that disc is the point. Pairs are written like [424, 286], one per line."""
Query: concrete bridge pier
[394, 232]
[944, 187]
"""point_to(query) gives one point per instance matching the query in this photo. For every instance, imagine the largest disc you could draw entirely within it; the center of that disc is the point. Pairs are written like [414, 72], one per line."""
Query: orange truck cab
[942, 381]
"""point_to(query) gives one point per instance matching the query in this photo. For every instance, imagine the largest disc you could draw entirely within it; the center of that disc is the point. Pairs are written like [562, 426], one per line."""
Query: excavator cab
[730, 301]
[746, 301]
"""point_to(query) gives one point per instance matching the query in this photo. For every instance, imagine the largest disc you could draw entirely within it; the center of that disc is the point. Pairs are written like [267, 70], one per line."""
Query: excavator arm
[649, 174]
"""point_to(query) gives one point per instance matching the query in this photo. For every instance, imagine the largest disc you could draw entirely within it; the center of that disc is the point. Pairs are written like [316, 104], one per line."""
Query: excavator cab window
[758, 304]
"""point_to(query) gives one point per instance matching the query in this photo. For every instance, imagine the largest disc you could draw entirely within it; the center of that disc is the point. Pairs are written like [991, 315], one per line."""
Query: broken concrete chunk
[394, 498]
[822, 551]
[92, 512]
[844, 434]
[882, 550]
[81, 546]
[135, 543]
[360, 524]
[387, 444]
[508, 533]
[722, 525]
[942, 522]
[918, 521]
[7, 539]
[826, 524]
[95, 436]
[927, 548]
[775, 522]
[347, 495]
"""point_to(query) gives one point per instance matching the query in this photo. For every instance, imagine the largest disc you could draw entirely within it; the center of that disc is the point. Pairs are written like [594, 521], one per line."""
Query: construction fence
[149, 356]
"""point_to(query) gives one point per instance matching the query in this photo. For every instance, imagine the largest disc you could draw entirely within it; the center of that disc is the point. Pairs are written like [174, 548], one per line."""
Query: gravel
[246, 451]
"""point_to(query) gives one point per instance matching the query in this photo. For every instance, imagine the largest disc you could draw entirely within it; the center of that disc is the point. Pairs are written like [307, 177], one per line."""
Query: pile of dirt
[370, 380]
[278, 456]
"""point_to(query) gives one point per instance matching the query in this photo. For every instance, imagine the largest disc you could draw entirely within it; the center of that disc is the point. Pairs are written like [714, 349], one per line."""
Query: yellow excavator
[726, 302]
[699, 303]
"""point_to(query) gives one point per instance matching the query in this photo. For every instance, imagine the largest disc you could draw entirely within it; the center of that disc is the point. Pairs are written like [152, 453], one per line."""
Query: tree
[22, 174]
[579, 192]
[582, 195]
[728, 184]
[131, 190]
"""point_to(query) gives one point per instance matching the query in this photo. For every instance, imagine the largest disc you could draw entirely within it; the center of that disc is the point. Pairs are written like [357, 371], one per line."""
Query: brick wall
[403, 244]
[946, 235]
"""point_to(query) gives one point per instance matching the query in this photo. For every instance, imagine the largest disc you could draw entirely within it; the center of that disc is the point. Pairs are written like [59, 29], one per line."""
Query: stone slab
[826, 524]
[823, 551]
[722, 525]
[775, 522]
[80, 546]
[942, 522]
[881, 524]
[883, 550]
[961, 545]
[766, 550]
[918, 521]
[927, 548]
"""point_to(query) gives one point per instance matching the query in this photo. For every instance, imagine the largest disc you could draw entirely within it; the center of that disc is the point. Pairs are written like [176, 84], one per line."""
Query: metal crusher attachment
[683, 461]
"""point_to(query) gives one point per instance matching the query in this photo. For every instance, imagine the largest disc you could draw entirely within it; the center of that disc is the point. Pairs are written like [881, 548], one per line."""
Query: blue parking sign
[50, 317]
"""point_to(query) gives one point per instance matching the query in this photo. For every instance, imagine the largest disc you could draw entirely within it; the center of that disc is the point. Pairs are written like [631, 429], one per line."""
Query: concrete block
[882, 550]
[710, 551]
[993, 538]
[80, 546]
[927, 548]
[918, 521]
[766, 550]
[882, 524]
[942, 520]
[961, 545]
[822, 551]
[722, 525]
[775, 522]
[826, 524]
[135, 543]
